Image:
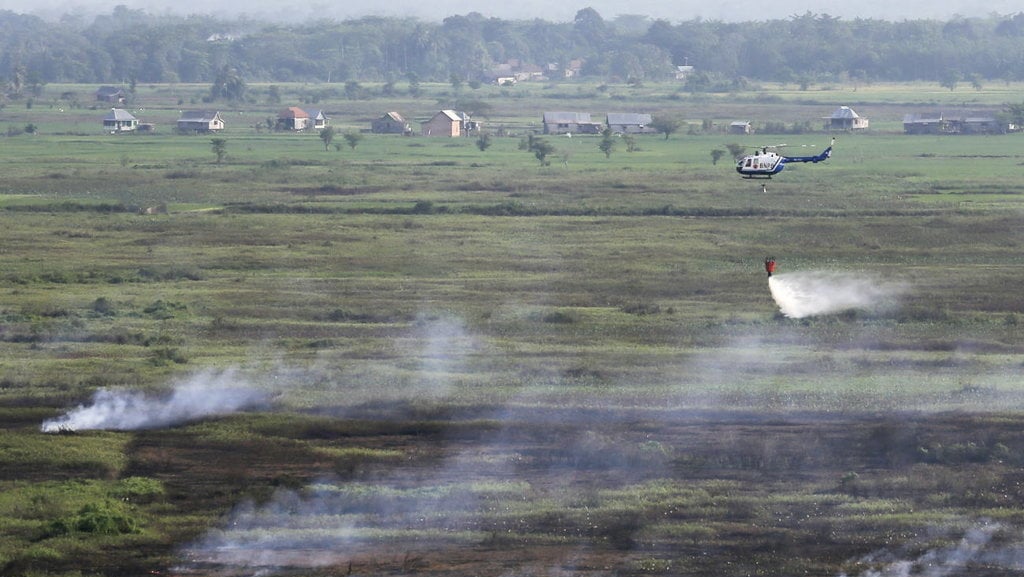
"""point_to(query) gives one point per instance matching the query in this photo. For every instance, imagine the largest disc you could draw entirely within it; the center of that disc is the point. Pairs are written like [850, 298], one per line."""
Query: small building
[200, 121]
[119, 120]
[445, 123]
[111, 94]
[574, 68]
[844, 118]
[927, 123]
[741, 127]
[630, 123]
[683, 72]
[292, 118]
[318, 119]
[469, 125]
[983, 123]
[970, 123]
[391, 123]
[570, 122]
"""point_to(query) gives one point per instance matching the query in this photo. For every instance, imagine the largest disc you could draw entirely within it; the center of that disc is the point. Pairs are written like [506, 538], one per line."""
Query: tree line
[127, 46]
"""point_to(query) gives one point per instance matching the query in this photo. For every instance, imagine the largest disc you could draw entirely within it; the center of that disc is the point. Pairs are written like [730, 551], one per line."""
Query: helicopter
[766, 162]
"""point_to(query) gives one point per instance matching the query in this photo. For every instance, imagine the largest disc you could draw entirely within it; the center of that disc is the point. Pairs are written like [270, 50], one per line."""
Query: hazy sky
[671, 10]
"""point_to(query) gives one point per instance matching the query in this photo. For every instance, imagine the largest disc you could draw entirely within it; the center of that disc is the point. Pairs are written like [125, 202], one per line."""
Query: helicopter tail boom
[825, 155]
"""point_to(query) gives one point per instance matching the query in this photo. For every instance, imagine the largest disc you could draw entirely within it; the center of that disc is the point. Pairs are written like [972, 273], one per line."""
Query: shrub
[106, 518]
[168, 355]
[139, 490]
[103, 306]
[163, 310]
[560, 318]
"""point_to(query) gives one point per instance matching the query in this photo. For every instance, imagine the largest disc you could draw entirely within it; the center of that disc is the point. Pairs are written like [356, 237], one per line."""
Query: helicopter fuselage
[761, 165]
[764, 163]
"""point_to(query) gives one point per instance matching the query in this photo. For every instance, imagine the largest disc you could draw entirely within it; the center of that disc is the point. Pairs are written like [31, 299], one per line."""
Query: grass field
[416, 357]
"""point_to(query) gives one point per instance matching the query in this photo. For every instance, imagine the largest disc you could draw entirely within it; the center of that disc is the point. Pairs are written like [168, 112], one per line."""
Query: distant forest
[129, 46]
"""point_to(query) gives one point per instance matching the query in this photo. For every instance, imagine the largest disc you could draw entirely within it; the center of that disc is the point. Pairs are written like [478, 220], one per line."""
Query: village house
[983, 123]
[741, 127]
[938, 123]
[111, 94]
[319, 119]
[573, 69]
[630, 123]
[468, 124]
[200, 121]
[449, 123]
[444, 123]
[391, 123]
[844, 118]
[119, 120]
[926, 123]
[512, 71]
[683, 72]
[570, 122]
[292, 118]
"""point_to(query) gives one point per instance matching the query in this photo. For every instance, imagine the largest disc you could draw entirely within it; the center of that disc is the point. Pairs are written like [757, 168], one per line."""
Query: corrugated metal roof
[923, 117]
[118, 114]
[844, 112]
[629, 118]
[567, 118]
[198, 115]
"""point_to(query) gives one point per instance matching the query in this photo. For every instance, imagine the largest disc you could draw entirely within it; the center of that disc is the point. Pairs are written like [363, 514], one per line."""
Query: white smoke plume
[812, 293]
[977, 547]
[205, 394]
[316, 522]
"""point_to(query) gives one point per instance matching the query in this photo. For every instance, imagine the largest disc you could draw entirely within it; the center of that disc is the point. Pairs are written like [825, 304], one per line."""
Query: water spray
[813, 293]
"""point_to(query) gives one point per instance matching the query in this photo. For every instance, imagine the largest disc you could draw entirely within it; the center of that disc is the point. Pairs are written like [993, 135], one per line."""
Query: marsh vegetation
[458, 360]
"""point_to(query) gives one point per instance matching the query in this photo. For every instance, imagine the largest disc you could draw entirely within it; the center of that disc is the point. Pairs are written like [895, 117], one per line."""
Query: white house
[119, 120]
[196, 121]
[844, 118]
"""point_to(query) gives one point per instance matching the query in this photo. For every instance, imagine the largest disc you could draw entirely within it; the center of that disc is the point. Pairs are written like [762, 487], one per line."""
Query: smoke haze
[812, 293]
[205, 394]
[978, 546]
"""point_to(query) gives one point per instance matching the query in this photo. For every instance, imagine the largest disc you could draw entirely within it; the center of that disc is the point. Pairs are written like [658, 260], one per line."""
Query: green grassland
[476, 363]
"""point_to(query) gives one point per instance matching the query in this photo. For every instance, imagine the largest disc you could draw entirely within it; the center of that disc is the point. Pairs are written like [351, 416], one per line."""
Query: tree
[354, 91]
[736, 150]
[630, 141]
[540, 148]
[273, 94]
[353, 139]
[717, 155]
[483, 142]
[327, 135]
[228, 85]
[667, 125]
[456, 81]
[591, 28]
[220, 148]
[414, 85]
[607, 144]
[476, 107]
[950, 78]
